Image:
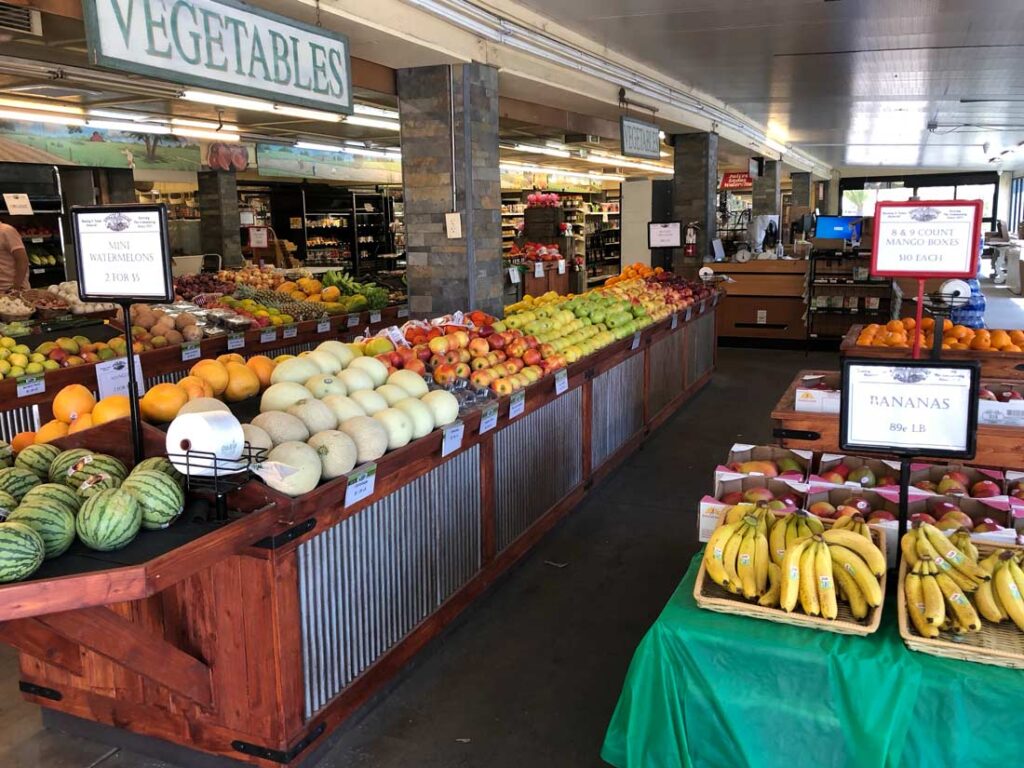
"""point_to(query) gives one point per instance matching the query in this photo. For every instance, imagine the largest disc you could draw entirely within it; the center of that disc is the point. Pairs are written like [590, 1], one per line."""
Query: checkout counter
[766, 299]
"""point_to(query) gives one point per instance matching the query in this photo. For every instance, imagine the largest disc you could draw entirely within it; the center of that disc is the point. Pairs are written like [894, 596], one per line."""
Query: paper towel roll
[195, 434]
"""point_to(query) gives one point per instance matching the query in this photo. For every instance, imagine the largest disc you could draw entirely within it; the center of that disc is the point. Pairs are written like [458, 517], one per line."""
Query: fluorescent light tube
[36, 117]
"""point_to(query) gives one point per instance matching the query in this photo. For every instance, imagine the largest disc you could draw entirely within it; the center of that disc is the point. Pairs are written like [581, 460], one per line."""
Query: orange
[959, 345]
[231, 357]
[927, 323]
[196, 387]
[959, 331]
[22, 440]
[909, 323]
[51, 430]
[72, 401]
[162, 402]
[879, 341]
[981, 343]
[893, 338]
[1017, 337]
[263, 367]
[110, 408]
[1012, 348]
[872, 328]
[214, 372]
[83, 422]
[895, 325]
[947, 324]
[1000, 339]
[242, 383]
[864, 340]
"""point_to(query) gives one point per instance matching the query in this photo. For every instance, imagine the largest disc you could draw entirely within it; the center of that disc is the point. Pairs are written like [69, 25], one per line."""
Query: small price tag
[236, 341]
[360, 484]
[403, 312]
[513, 275]
[190, 351]
[112, 377]
[689, 314]
[32, 384]
[396, 336]
[352, 321]
[561, 382]
[675, 320]
[517, 404]
[561, 266]
[538, 269]
[18, 204]
[290, 331]
[323, 325]
[703, 307]
[636, 341]
[489, 418]
[451, 439]
[268, 335]
[374, 318]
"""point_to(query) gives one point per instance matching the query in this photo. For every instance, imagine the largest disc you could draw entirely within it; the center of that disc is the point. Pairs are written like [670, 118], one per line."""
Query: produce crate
[1000, 645]
[712, 597]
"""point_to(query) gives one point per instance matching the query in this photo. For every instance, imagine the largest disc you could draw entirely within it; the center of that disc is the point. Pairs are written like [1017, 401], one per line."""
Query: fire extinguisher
[690, 241]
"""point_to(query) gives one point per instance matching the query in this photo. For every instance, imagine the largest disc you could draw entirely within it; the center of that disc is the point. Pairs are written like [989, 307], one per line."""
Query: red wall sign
[739, 180]
[927, 238]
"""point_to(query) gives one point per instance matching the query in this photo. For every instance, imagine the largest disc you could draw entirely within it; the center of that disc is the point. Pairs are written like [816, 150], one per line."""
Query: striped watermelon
[21, 551]
[60, 465]
[7, 504]
[160, 464]
[17, 481]
[53, 522]
[81, 476]
[109, 520]
[160, 497]
[6, 454]
[38, 459]
[55, 493]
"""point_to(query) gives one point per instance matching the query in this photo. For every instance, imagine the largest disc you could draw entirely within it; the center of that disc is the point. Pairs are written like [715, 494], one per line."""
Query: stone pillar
[449, 117]
[803, 190]
[220, 227]
[834, 206]
[767, 194]
[695, 193]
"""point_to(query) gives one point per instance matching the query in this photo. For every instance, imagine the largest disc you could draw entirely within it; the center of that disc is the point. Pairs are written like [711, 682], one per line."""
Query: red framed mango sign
[927, 238]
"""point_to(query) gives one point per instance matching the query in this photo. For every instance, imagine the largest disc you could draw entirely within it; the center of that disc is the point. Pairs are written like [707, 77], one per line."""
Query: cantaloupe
[324, 384]
[344, 407]
[339, 350]
[297, 370]
[398, 426]
[202, 405]
[299, 457]
[280, 396]
[314, 414]
[325, 361]
[443, 406]
[282, 427]
[355, 380]
[419, 414]
[369, 401]
[377, 371]
[369, 435]
[391, 393]
[338, 454]
[410, 381]
[257, 437]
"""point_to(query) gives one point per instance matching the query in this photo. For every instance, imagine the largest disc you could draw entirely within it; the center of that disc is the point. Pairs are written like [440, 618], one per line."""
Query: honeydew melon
[410, 381]
[325, 361]
[344, 407]
[355, 380]
[339, 350]
[203, 405]
[443, 406]
[398, 426]
[369, 401]
[392, 393]
[297, 370]
[324, 384]
[419, 414]
[376, 370]
[280, 396]
[369, 436]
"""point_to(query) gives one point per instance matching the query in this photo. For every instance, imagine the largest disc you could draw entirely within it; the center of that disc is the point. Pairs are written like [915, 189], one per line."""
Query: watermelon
[56, 493]
[160, 464]
[82, 476]
[17, 481]
[160, 497]
[37, 459]
[54, 523]
[109, 520]
[21, 551]
[6, 454]
[7, 504]
[60, 465]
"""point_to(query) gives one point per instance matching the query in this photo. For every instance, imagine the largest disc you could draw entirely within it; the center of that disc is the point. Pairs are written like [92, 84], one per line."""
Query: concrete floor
[530, 675]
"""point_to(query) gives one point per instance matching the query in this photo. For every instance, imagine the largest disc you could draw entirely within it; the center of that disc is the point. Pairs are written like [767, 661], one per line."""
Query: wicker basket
[712, 597]
[1001, 645]
[9, 317]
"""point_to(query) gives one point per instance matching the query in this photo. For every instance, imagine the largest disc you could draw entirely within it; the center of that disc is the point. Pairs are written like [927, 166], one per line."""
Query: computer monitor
[839, 227]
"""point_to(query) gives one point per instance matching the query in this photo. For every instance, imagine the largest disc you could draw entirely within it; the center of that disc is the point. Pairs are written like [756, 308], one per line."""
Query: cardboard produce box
[796, 465]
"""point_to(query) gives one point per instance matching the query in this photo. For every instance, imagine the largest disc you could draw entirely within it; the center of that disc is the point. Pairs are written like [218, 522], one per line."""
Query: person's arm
[20, 256]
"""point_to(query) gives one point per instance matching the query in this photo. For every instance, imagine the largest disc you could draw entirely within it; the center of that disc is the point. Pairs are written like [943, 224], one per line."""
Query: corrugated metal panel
[15, 420]
[166, 378]
[700, 355]
[537, 461]
[618, 408]
[365, 583]
[666, 361]
[291, 349]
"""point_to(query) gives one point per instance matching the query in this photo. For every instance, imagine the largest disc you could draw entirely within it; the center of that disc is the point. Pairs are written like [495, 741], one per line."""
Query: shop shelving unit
[840, 290]
[43, 236]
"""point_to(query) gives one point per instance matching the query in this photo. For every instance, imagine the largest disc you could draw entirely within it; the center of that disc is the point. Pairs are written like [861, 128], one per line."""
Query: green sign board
[225, 46]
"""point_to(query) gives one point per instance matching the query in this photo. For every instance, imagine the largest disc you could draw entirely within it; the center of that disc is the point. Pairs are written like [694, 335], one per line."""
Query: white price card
[323, 325]
[112, 377]
[636, 341]
[517, 404]
[290, 331]
[538, 269]
[513, 275]
[268, 336]
[374, 318]
[489, 418]
[675, 320]
[451, 438]
[18, 204]
[703, 307]
[561, 382]
[360, 484]
[236, 341]
[561, 266]
[689, 314]
[352, 321]
[762, 317]
[32, 384]
[258, 237]
[403, 312]
[190, 350]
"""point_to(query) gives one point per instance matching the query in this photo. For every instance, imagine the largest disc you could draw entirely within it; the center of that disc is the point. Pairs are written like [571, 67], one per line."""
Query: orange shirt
[10, 241]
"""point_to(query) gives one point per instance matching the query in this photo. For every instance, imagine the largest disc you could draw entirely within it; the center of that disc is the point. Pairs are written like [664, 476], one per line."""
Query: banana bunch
[936, 603]
[926, 542]
[737, 559]
[765, 516]
[853, 523]
[795, 525]
[961, 539]
[815, 569]
[1003, 597]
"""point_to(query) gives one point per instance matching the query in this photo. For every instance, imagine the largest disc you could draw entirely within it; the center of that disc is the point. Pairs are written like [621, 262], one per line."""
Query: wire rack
[207, 473]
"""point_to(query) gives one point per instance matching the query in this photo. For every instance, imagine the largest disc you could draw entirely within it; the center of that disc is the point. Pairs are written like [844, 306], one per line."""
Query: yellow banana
[770, 599]
[803, 529]
[990, 562]
[738, 511]
[792, 531]
[745, 563]
[813, 523]
[854, 565]
[926, 551]
[843, 523]
[777, 539]
[1016, 573]
[862, 528]
[1009, 594]
[715, 551]
[732, 547]
[825, 582]
[850, 592]
[961, 539]
[808, 589]
[867, 550]
[762, 558]
[963, 611]
[934, 605]
[985, 602]
[909, 546]
[789, 591]
[915, 606]
[955, 557]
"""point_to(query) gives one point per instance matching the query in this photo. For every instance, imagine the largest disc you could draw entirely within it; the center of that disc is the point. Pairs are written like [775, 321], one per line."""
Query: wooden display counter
[999, 447]
[1002, 366]
[254, 641]
[766, 301]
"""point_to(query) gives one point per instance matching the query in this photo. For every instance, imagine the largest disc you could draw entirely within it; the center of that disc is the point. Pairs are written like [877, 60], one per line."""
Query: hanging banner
[222, 45]
[736, 180]
[927, 239]
[640, 138]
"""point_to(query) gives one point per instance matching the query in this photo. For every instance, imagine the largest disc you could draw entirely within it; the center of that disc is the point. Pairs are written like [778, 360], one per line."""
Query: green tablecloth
[711, 690]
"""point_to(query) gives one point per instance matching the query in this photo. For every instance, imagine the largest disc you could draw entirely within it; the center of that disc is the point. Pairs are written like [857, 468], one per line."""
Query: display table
[766, 299]
[713, 690]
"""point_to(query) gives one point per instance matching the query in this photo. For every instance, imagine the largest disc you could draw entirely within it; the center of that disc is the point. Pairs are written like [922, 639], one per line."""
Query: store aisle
[1003, 309]
[531, 674]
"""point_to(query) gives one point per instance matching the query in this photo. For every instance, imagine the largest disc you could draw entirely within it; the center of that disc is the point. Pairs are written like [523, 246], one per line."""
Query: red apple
[416, 366]
[481, 379]
[985, 489]
[887, 481]
[462, 370]
[496, 341]
[452, 357]
[395, 359]
[514, 365]
[942, 508]
[502, 386]
[479, 363]
[986, 394]
[479, 347]
[531, 341]
[960, 477]
[444, 374]
[439, 345]
[790, 500]
[423, 352]
[532, 357]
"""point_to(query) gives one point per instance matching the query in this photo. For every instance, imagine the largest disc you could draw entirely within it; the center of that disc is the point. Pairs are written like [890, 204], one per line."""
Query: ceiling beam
[559, 119]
